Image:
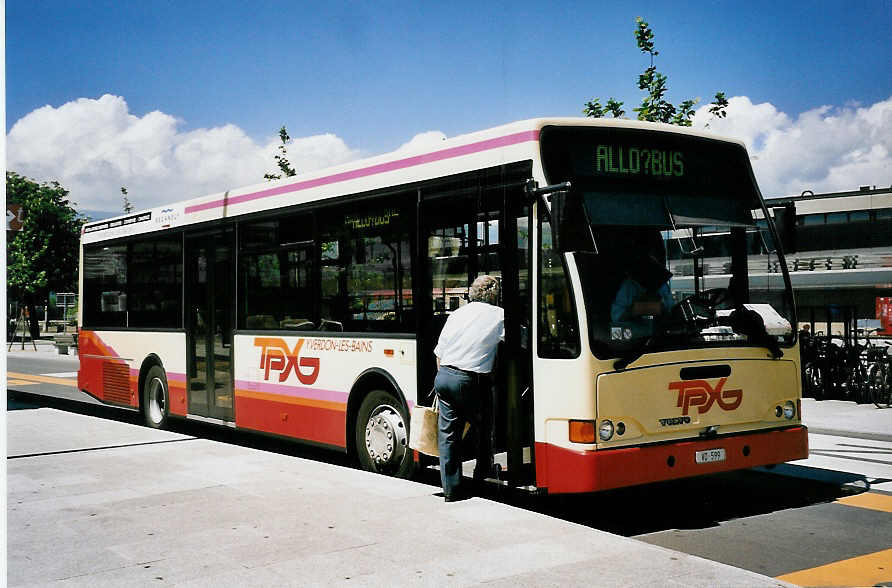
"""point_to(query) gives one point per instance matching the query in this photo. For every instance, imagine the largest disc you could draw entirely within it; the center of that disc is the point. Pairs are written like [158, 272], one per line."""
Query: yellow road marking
[42, 379]
[872, 500]
[19, 382]
[866, 570]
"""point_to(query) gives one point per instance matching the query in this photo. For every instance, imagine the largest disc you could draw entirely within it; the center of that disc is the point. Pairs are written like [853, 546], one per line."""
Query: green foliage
[282, 158]
[654, 106]
[594, 109]
[718, 107]
[43, 256]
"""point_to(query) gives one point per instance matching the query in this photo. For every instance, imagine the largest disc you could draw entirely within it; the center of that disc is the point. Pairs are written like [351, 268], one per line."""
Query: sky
[176, 99]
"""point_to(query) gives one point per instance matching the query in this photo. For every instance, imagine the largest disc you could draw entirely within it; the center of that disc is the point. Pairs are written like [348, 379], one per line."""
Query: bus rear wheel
[155, 398]
[382, 435]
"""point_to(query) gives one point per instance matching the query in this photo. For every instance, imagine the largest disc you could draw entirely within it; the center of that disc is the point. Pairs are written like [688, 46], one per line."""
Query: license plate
[710, 455]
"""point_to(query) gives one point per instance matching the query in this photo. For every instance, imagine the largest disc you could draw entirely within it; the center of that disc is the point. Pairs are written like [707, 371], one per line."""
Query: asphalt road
[797, 522]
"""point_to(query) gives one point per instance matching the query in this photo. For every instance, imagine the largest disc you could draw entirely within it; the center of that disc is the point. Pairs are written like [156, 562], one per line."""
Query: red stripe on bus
[513, 139]
[176, 389]
[308, 423]
[95, 354]
[563, 470]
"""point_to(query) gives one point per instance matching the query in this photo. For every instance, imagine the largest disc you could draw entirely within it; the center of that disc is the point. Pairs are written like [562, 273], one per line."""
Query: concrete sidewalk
[847, 418]
[103, 503]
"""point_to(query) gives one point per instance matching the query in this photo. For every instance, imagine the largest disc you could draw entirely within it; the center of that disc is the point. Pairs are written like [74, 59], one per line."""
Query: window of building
[837, 218]
[813, 219]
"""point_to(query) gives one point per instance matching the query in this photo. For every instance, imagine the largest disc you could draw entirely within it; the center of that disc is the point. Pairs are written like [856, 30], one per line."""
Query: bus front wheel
[155, 398]
[382, 435]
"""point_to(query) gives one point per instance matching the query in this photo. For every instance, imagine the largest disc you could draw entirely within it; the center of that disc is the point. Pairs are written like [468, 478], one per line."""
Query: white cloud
[827, 149]
[93, 147]
[425, 141]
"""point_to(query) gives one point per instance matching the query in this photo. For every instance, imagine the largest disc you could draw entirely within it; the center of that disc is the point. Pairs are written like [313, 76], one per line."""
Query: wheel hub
[385, 436]
[157, 400]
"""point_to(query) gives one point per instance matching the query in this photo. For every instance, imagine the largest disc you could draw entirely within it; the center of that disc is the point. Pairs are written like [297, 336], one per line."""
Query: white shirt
[471, 336]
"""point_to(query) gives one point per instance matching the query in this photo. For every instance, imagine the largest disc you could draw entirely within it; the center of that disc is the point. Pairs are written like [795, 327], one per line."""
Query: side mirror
[569, 223]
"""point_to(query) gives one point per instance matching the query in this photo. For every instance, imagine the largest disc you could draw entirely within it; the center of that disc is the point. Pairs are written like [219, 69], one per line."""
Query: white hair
[485, 289]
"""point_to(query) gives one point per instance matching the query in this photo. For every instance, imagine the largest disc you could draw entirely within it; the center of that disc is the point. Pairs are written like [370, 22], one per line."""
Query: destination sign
[653, 176]
[371, 220]
[637, 161]
[137, 218]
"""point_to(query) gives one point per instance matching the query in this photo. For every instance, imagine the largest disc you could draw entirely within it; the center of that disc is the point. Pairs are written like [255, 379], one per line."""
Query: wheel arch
[148, 363]
[370, 379]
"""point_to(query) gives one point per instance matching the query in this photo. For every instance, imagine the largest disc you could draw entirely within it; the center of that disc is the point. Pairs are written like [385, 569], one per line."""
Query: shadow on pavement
[692, 503]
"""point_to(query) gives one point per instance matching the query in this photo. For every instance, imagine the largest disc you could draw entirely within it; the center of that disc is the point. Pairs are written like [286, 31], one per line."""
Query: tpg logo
[277, 357]
[701, 394]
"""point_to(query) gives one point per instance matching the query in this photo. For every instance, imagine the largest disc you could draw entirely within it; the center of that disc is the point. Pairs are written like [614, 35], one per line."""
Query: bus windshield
[641, 220]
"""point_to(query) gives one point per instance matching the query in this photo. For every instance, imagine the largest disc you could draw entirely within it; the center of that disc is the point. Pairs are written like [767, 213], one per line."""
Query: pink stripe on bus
[293, 391]
[505, 141]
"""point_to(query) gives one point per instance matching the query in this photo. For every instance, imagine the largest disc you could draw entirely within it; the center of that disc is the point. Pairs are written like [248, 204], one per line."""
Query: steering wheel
[707, 300]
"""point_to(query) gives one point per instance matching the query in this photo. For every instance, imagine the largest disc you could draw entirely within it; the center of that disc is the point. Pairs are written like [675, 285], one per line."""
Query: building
[839, 253]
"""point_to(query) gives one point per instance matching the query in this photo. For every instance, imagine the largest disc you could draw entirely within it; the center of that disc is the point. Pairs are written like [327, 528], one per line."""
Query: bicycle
[879, 375]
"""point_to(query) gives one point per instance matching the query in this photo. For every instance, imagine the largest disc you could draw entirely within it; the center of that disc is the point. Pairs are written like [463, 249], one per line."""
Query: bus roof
[513, 142]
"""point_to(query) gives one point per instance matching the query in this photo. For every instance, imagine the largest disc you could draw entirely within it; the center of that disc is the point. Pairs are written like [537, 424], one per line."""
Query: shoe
[456, 497]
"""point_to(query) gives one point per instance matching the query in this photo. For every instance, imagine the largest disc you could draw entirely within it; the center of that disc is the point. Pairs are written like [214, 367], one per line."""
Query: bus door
[209, 324]
[461, 237]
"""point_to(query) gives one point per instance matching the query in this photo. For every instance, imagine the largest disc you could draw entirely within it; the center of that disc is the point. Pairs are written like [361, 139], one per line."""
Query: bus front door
[463, 234]
[209, 324]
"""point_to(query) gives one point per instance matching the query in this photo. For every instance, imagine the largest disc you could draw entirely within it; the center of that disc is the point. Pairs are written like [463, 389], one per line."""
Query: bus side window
[558, 325]
[366, 278]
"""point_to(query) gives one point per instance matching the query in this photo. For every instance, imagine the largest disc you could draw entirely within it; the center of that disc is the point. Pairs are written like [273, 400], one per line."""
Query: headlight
[789, 409]
[605, 431]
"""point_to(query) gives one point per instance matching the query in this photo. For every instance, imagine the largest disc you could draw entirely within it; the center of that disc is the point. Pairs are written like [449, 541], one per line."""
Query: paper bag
[423, 430]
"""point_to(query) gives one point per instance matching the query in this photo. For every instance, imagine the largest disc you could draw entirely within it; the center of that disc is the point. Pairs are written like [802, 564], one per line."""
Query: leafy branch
[654, 106]
[282, 158]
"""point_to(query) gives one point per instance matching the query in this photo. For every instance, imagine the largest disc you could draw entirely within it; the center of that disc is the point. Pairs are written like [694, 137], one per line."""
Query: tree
[282, 158]
[43, 256]
[654, 106]
[128, 207]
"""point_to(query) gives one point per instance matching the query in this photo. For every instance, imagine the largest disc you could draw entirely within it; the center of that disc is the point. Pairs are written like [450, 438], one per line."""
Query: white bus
[308, 308]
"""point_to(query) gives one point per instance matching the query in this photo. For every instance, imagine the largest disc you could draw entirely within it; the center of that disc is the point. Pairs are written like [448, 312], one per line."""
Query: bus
[308, 308]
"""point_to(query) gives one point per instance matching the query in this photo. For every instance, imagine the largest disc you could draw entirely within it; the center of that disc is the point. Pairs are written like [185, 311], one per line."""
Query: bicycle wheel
[881, 385]
[860, 389]
[814, 381]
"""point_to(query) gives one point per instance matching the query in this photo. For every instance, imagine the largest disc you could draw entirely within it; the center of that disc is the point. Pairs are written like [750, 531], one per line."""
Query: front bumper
[561, 470]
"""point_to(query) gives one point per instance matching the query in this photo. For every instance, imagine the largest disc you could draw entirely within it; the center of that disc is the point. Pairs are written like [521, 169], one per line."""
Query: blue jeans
[463, 397]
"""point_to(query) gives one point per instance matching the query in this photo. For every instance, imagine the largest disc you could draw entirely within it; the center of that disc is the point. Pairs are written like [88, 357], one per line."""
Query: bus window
[276, 289]
[134, 285]
[447, 252]
[366, 279]
[105, 286]
[558, 326]
[155, 273]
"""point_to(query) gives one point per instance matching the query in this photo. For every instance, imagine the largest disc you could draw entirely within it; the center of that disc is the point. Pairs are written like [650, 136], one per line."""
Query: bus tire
[382, 435]
[155, 398]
